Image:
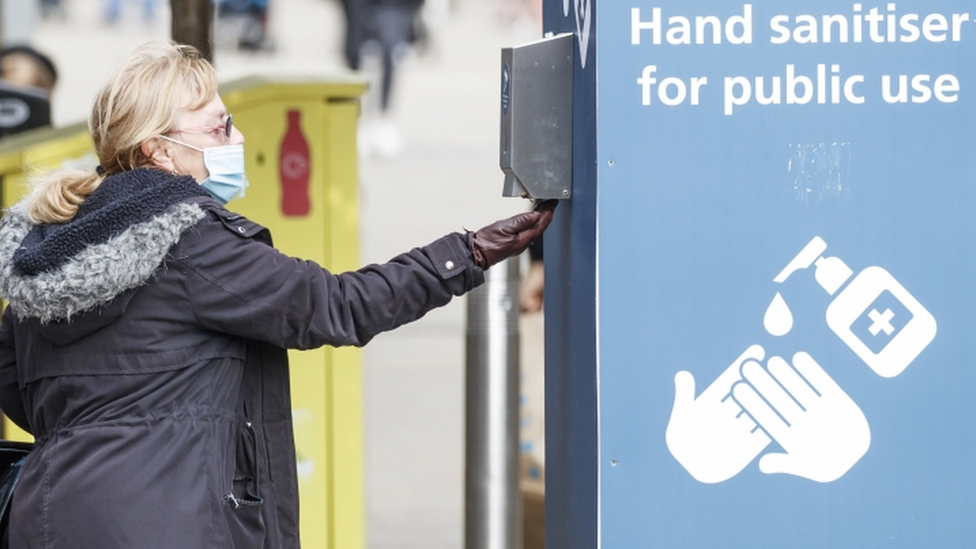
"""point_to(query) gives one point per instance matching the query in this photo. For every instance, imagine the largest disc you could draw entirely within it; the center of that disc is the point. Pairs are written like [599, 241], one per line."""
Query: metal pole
[492, 498]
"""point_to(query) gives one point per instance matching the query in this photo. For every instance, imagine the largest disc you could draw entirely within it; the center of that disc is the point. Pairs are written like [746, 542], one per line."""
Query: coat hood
[50, 273]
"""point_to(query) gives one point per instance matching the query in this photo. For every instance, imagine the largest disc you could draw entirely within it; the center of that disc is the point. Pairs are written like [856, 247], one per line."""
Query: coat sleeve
[11, 399]
[237, 284]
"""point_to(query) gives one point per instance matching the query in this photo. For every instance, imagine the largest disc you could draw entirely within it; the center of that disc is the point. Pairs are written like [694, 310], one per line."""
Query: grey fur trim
[96, 275]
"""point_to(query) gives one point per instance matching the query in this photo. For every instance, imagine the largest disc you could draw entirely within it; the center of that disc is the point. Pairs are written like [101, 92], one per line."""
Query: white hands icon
[710, 436]
[715, 436]
[823, 432]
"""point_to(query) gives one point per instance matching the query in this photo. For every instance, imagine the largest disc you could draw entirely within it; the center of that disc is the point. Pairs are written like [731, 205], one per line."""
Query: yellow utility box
[36, 151]
[301, 161]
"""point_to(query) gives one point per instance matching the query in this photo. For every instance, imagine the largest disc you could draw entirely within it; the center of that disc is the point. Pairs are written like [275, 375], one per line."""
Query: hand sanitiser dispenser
[536, 148]
[874, 314]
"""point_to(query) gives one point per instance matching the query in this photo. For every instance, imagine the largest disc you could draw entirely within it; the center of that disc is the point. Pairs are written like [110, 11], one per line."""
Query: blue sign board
[785, 273]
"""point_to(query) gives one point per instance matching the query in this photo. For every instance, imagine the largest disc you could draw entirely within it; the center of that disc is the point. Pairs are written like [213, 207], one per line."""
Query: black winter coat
[150, 364]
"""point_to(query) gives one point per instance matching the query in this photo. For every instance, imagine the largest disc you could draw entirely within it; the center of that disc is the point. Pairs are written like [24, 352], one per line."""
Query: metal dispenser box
[537, 118]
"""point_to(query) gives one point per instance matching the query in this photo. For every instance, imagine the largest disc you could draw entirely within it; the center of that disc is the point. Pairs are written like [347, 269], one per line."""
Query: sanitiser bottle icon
[873, 314]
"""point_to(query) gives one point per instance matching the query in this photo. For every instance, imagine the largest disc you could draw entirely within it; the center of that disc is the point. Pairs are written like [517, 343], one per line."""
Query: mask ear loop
[178, 142]
[174, 172]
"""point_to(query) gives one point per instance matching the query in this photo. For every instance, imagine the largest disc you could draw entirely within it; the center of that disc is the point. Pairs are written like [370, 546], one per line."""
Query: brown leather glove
[508, 237]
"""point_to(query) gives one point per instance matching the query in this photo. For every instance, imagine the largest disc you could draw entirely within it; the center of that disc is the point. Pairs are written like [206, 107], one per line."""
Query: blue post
[759, 296]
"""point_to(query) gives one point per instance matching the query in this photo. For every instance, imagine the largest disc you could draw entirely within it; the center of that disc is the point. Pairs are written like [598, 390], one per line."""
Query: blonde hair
[142, 100]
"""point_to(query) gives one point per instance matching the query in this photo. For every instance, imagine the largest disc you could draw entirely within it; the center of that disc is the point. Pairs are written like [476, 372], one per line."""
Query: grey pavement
[446, 179]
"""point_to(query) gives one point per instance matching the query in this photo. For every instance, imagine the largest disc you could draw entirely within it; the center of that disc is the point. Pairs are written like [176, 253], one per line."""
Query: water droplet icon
[778, 319]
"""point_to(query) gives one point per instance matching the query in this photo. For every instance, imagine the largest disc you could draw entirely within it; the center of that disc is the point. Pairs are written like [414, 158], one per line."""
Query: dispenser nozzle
[804, 259]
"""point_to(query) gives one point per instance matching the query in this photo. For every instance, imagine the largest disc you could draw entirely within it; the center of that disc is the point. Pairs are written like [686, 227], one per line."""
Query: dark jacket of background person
[144, 348]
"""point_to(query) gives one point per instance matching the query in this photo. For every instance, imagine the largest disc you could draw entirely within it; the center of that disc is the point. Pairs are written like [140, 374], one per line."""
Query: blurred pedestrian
[385, 29]
[27, 79]
[144, 344]
[533, 282]
[24, 66]
[113, 10]
[52, 8]
[251, 18]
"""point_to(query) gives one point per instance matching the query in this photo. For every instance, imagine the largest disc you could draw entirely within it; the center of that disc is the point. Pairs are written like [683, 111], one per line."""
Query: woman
[144, 341]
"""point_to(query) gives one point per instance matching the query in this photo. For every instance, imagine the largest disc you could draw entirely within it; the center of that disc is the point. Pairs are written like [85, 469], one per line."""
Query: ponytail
[55, 198]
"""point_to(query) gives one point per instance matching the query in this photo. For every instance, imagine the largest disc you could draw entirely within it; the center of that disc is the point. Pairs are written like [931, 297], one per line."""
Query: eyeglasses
[225, 127]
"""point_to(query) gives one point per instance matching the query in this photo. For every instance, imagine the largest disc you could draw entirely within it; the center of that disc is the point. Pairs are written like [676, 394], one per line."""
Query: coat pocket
[243, 503]
[245, 521]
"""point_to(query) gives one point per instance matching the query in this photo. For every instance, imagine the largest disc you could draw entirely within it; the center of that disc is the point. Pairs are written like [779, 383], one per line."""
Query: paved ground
[446, 179]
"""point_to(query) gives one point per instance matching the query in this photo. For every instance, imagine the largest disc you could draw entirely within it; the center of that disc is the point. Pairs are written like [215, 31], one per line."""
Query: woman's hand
[508, 237]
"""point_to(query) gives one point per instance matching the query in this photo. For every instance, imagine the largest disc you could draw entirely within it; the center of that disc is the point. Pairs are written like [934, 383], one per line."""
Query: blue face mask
[226, 167]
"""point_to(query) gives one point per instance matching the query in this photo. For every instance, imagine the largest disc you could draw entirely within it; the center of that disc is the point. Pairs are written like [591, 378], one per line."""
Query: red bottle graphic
[293, 165]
